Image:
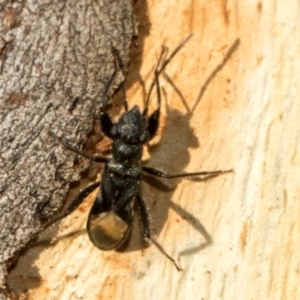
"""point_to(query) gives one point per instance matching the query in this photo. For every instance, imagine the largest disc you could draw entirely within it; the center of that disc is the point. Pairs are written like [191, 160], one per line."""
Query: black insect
[111, 215]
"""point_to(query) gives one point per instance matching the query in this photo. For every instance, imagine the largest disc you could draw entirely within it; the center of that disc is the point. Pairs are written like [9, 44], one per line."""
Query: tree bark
[56, 59]
[230, 100]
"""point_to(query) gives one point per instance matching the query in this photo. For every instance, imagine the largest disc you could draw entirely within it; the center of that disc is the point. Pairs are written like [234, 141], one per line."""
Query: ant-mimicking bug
[111, 216]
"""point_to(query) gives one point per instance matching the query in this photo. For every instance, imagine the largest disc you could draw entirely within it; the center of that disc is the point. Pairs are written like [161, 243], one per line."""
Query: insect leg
[101, 159]
[159, 70]
[153, 120]
[146, 230]
[144, 217]
[161, 174]
[127, 196]
[75, 202]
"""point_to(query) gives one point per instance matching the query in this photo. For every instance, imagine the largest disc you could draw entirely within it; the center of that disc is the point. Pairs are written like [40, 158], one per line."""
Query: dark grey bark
[55, 60]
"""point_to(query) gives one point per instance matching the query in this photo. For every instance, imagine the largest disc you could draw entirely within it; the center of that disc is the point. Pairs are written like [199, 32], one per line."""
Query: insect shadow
[111, 216]
[194, 222]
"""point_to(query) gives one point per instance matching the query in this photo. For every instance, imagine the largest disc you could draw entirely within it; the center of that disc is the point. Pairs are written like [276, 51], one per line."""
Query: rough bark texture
[237, 235]
[55, 60]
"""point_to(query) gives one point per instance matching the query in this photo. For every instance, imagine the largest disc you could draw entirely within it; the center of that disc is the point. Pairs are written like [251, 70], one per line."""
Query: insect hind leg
[146, 231]
[75, 202]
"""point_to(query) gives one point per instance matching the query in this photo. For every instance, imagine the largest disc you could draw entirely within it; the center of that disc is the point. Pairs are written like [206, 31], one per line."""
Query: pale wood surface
[246, 119]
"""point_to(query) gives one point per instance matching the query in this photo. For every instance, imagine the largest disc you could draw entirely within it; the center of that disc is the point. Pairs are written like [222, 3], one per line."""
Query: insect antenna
[163, 251]
[117, 60]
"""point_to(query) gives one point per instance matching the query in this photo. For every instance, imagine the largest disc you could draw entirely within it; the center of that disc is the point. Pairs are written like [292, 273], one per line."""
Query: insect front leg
[153, 121]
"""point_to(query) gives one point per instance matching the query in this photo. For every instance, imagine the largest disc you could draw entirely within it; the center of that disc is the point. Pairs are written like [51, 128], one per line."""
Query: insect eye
[114, 131]
[144, 137]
